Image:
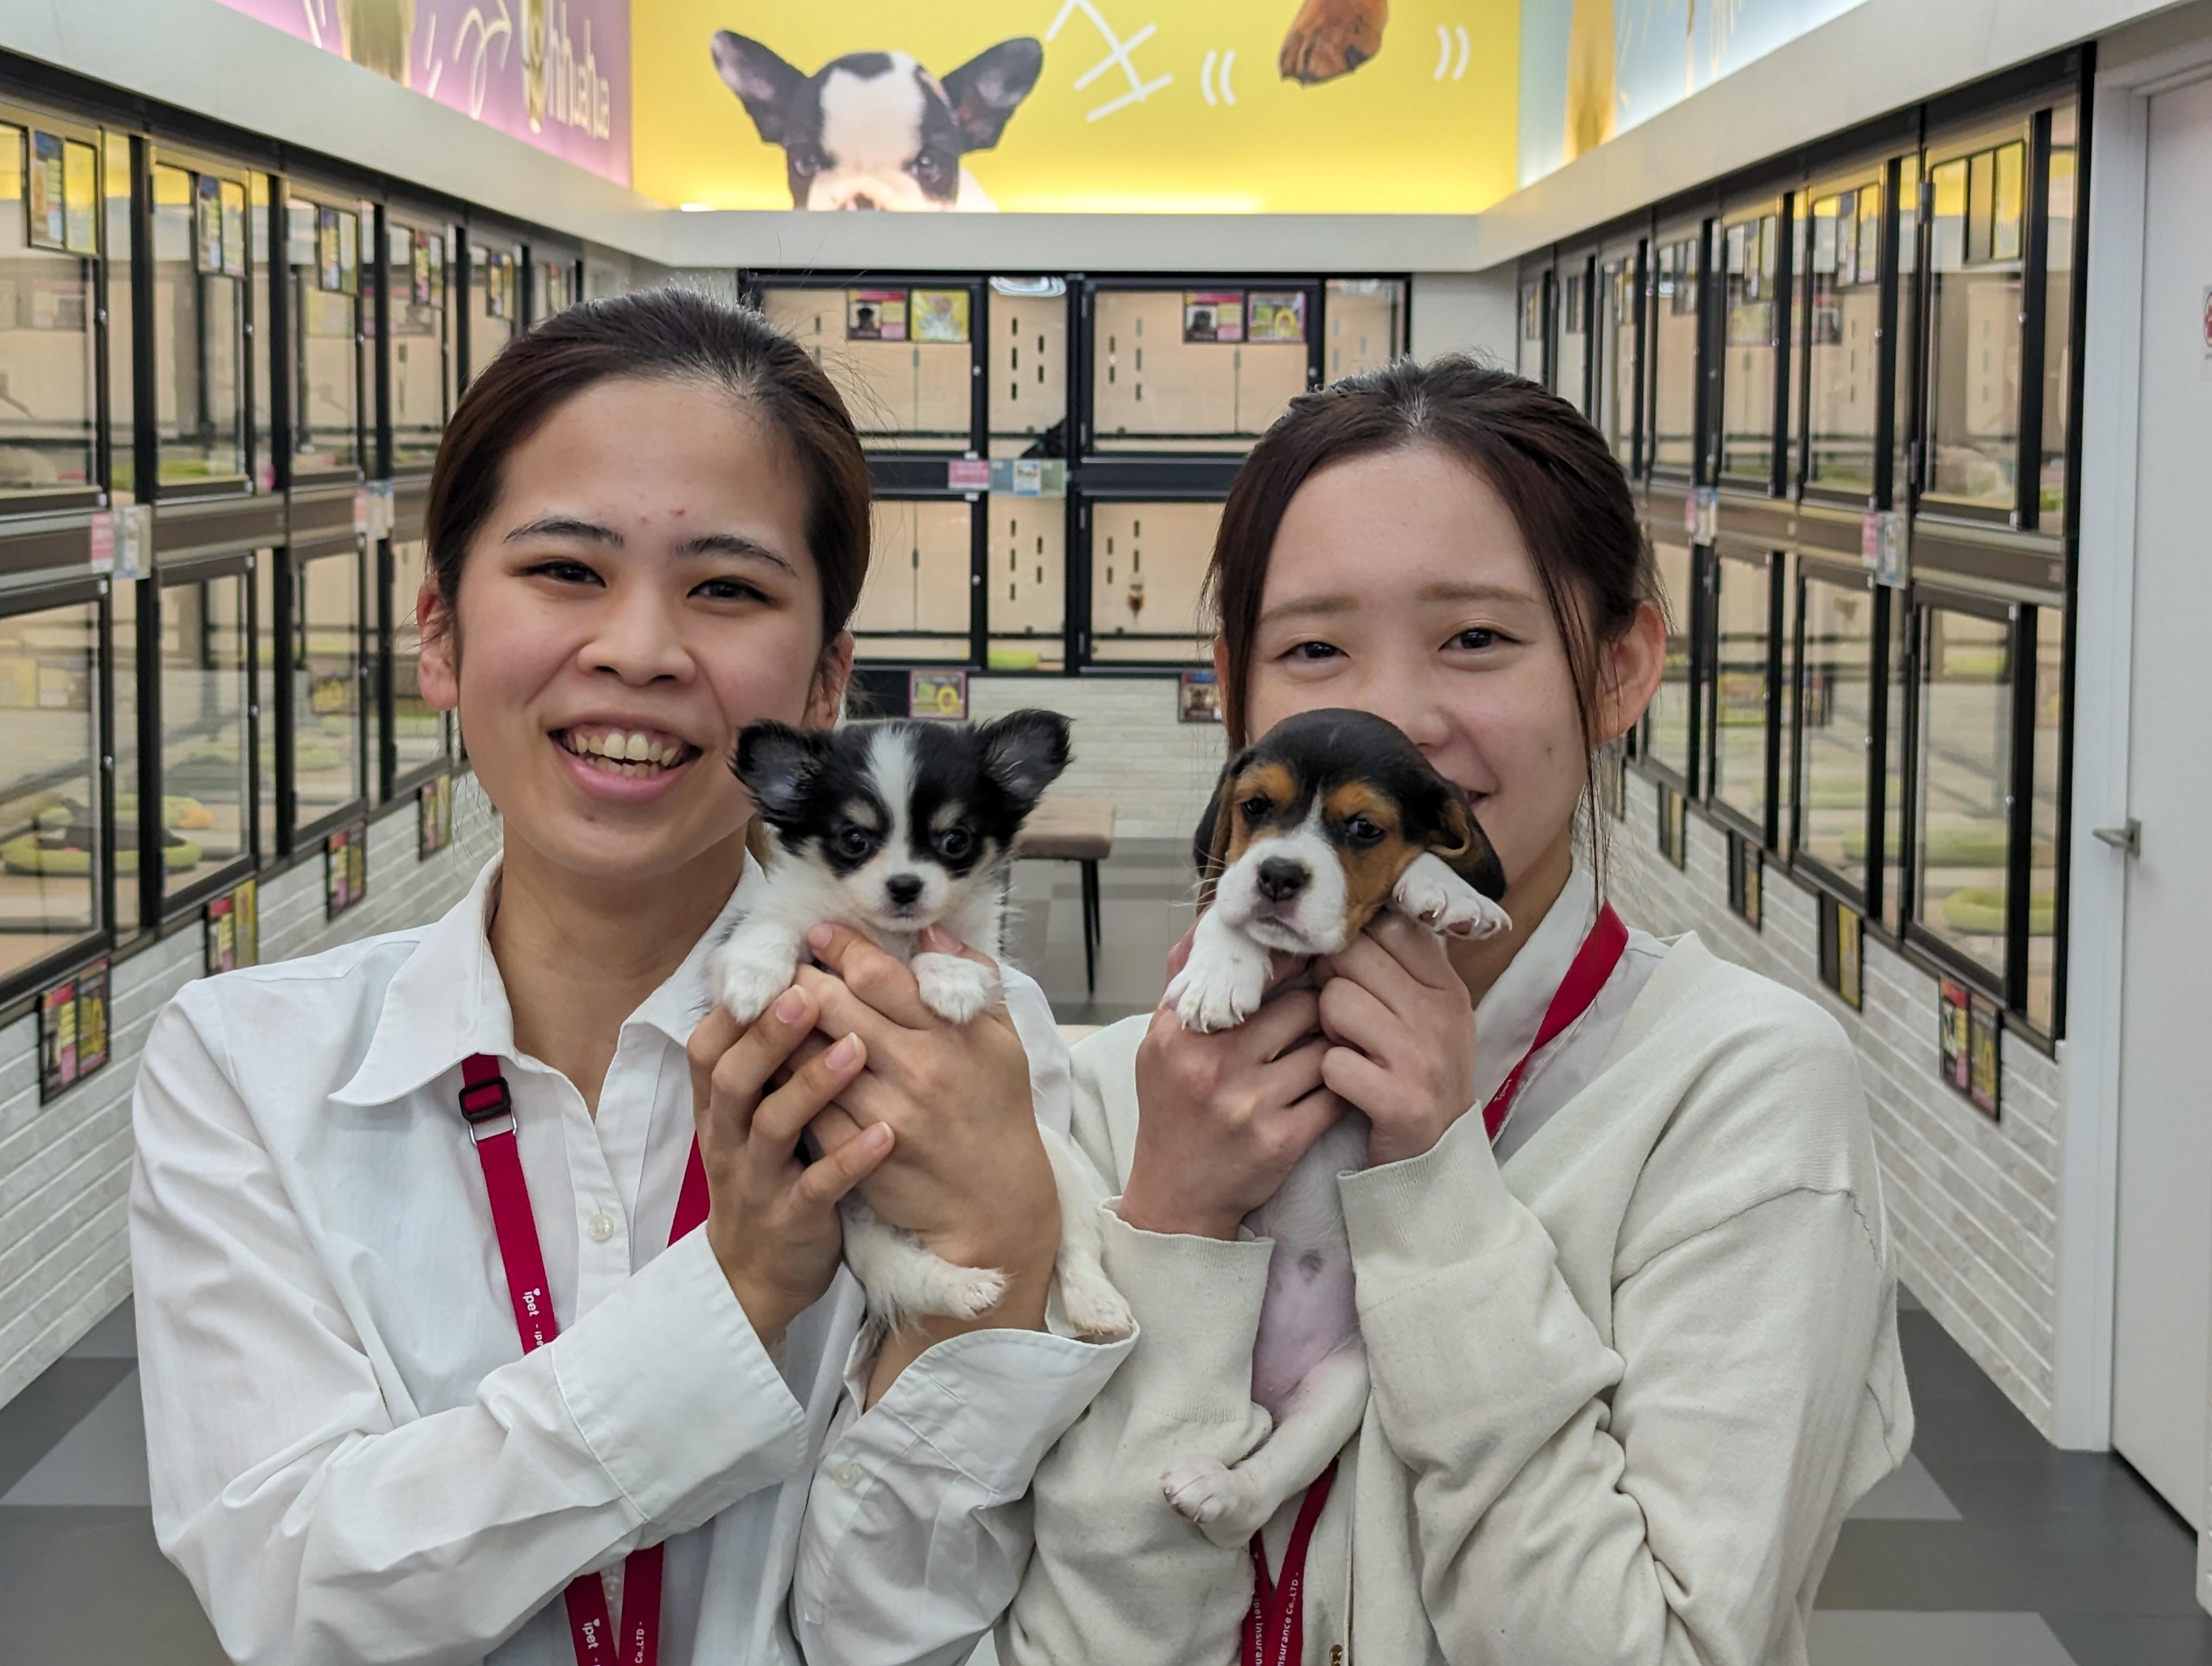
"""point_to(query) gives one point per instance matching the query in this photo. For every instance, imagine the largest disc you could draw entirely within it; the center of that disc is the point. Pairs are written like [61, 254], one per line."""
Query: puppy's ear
[1209, 846]
[1465, 848]
[986, 91]
[763, 82]
[1024, 753]
[775, 762]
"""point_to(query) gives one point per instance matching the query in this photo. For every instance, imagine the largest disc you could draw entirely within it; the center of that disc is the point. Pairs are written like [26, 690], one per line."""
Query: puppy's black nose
[1281, 879]
[902, 889]
[860, 199]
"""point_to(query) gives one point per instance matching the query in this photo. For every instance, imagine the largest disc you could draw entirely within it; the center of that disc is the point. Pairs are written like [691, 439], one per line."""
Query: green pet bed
[1837, 794]
[34, 854]
[1979, 910]
[1944, 847]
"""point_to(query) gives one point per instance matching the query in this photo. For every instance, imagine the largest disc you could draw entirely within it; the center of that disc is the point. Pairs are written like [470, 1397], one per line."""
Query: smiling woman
[1606, 1207]
[646, 529]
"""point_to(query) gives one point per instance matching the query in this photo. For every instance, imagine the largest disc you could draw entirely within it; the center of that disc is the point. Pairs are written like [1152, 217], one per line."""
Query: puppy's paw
[954, 989]
[1220, 986]
[1431, 892]
[746, 976]
[1227, 1507]
[963, 1293]
[1094, 1308]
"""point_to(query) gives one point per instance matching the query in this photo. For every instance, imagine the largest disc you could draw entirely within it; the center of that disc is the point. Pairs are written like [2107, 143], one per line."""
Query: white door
[2163, 1316]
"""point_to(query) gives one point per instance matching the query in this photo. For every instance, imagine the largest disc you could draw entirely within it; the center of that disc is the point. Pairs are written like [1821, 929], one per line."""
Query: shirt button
[847, 1476]
[601, 1226]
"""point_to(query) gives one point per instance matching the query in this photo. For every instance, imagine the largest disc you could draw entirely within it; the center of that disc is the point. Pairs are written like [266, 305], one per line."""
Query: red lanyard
[490, 1113]
[1274, 1631]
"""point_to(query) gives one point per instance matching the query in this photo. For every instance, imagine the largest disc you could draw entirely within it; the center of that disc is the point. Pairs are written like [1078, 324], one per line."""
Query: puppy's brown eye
[954, 844]
[854, 842]
[1258, 807]
[1361, 831]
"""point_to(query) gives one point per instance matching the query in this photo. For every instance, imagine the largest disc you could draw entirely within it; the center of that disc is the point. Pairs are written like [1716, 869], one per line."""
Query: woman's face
[641, 592]
[1398, 584]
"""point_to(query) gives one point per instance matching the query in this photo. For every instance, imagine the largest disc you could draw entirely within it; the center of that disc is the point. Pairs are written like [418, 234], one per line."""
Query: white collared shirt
[350, 1459]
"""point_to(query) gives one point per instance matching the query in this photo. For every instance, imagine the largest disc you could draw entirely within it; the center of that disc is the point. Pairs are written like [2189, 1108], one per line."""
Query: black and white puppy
[1325, 820]
[891, 828]
[876, 129]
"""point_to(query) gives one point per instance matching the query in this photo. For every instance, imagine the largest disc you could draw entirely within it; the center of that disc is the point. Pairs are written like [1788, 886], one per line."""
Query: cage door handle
[2127, 838]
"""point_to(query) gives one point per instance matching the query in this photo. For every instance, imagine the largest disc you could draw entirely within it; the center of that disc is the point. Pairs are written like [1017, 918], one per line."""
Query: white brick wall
[1972, 1204]
[65, 1167]
[1129, 746]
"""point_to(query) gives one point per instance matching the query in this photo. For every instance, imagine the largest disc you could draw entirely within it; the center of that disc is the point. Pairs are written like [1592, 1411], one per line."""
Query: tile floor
[1989, 1548]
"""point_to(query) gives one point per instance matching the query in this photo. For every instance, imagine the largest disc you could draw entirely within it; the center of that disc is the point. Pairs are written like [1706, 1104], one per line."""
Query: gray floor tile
[2105, 1639]
[55, 1402]
[115, 1337]
[1910, 1495]
[90, 1588]
[1868, 1638]
[100, 1463]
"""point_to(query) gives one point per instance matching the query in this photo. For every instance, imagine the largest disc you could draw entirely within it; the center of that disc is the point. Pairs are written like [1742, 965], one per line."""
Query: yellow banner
[1276, 107]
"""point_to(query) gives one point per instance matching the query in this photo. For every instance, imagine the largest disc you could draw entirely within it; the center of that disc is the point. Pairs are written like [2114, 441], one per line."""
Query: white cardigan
[1625, 1391]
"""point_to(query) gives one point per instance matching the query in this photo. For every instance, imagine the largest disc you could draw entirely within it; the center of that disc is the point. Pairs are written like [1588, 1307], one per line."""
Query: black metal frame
[1094, 476]
[152, 488]
[161, 904]
[295, 834]
[1881, 173]
[1780, 334]
[1771, 565]
[1931, 599]
[2021, 554]
[72, 592]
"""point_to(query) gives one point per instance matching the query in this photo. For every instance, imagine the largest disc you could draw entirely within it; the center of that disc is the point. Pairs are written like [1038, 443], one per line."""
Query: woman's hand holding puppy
[1223, 1118]
[772, 1220]
[1401, 1029]
[971, 1179]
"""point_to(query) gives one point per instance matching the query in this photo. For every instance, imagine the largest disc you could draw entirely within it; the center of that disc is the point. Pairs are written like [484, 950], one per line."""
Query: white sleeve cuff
[673, 1392]
[988, 1403]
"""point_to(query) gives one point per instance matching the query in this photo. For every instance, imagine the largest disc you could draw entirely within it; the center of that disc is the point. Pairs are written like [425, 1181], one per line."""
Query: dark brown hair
[1558, 476]
[672, 335]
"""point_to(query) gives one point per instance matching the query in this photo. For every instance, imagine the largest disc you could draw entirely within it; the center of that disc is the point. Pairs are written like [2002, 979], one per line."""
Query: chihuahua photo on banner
[876, 129]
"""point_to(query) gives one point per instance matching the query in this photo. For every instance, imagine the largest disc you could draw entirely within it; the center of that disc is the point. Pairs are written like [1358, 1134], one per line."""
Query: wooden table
[1065, 830]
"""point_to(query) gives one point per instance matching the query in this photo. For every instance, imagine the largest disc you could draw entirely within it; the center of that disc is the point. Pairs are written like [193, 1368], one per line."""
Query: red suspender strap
[1593, 965]
[490, 1113]
[1274, 1631]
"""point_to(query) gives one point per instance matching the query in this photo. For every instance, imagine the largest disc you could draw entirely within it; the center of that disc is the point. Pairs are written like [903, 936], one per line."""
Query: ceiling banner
[552, 73]
[1591, 68]
[1270, 106]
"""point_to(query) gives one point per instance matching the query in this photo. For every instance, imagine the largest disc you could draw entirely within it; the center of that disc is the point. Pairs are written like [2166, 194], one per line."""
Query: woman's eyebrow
[706, 543]
[735, 543]
[1310, 607]
[1475, 593]
[1331, 606]
[566, 526]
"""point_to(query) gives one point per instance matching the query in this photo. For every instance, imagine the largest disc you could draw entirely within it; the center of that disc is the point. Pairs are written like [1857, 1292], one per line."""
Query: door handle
[2127, 838]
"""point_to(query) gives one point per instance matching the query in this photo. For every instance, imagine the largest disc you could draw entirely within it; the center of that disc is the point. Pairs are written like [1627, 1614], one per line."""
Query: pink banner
[552, 73]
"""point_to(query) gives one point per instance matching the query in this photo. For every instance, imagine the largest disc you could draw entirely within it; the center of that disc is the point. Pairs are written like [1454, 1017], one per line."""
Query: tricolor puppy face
[1312, 826]
[876, 129]
[902, 818]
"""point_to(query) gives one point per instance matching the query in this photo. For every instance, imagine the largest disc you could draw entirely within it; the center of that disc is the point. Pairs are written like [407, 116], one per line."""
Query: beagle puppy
[1314, 829]
[1329, 819]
